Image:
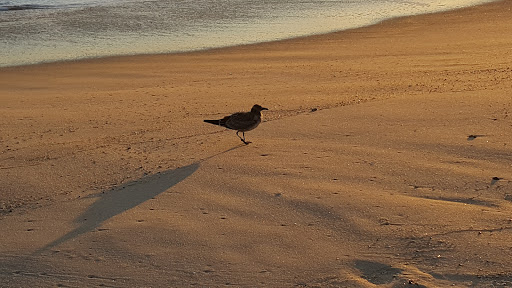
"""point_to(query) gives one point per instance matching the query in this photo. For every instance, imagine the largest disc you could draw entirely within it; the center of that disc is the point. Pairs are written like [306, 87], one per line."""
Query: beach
[44, 31]
[383, 161]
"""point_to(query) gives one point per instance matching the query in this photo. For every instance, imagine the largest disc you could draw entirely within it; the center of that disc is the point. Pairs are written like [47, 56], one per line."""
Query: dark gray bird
[241, 121]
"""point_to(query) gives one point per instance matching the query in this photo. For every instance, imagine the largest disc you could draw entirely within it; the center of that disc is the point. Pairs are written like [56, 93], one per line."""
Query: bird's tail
[215, 122]
[220, 122]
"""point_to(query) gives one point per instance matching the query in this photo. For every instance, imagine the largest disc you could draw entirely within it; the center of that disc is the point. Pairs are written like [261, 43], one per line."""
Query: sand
[385, 160]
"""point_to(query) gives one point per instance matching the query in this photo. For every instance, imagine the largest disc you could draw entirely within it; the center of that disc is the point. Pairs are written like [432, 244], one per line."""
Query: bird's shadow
[124, 197]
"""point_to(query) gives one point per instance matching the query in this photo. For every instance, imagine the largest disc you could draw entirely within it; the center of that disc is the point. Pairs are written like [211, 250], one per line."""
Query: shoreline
[111, 177]
[201, 50]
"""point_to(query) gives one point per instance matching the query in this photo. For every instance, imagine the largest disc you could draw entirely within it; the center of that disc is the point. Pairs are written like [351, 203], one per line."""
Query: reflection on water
[66, 30]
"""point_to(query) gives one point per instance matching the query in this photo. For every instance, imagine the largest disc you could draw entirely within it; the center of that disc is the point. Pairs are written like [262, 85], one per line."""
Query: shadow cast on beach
[127, 196]
[122, 198]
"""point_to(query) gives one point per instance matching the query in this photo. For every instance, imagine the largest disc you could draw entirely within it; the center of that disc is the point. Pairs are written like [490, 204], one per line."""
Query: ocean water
[35, 31]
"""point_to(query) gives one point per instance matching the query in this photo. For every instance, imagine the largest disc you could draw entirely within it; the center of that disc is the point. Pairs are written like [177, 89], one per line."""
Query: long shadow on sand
[127, 196]
[123, 198]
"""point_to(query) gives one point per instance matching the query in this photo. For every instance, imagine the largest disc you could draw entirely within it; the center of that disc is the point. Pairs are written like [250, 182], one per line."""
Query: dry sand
[110, 178]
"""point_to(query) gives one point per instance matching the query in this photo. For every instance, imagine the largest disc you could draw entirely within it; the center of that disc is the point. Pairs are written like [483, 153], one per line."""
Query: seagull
[241, 121]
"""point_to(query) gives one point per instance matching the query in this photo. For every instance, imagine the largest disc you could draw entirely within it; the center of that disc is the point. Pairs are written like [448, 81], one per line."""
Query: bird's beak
[263, 108]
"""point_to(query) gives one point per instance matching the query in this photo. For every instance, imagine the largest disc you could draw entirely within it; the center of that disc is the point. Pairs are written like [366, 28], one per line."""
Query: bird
[241, 121]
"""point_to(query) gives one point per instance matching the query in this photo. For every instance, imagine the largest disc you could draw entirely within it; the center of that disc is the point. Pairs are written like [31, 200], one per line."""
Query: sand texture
[385, 160]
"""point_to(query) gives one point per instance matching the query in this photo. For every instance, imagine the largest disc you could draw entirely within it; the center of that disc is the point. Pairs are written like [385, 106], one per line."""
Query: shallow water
[34, 31]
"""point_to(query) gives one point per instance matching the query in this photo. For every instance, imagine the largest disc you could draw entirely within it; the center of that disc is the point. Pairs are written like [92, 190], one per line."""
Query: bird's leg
[242, 139]
[245, 142]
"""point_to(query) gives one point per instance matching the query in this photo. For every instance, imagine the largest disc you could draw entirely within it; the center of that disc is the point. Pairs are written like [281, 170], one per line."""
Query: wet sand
[384, 160]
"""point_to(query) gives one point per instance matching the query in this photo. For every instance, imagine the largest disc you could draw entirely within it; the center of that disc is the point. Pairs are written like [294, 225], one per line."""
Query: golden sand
[385, 159]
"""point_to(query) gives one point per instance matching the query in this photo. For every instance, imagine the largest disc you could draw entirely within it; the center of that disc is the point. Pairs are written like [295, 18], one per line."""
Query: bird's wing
[242, 121]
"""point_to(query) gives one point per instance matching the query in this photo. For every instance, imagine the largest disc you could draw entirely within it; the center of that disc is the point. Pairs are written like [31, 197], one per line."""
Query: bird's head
[257, 108]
